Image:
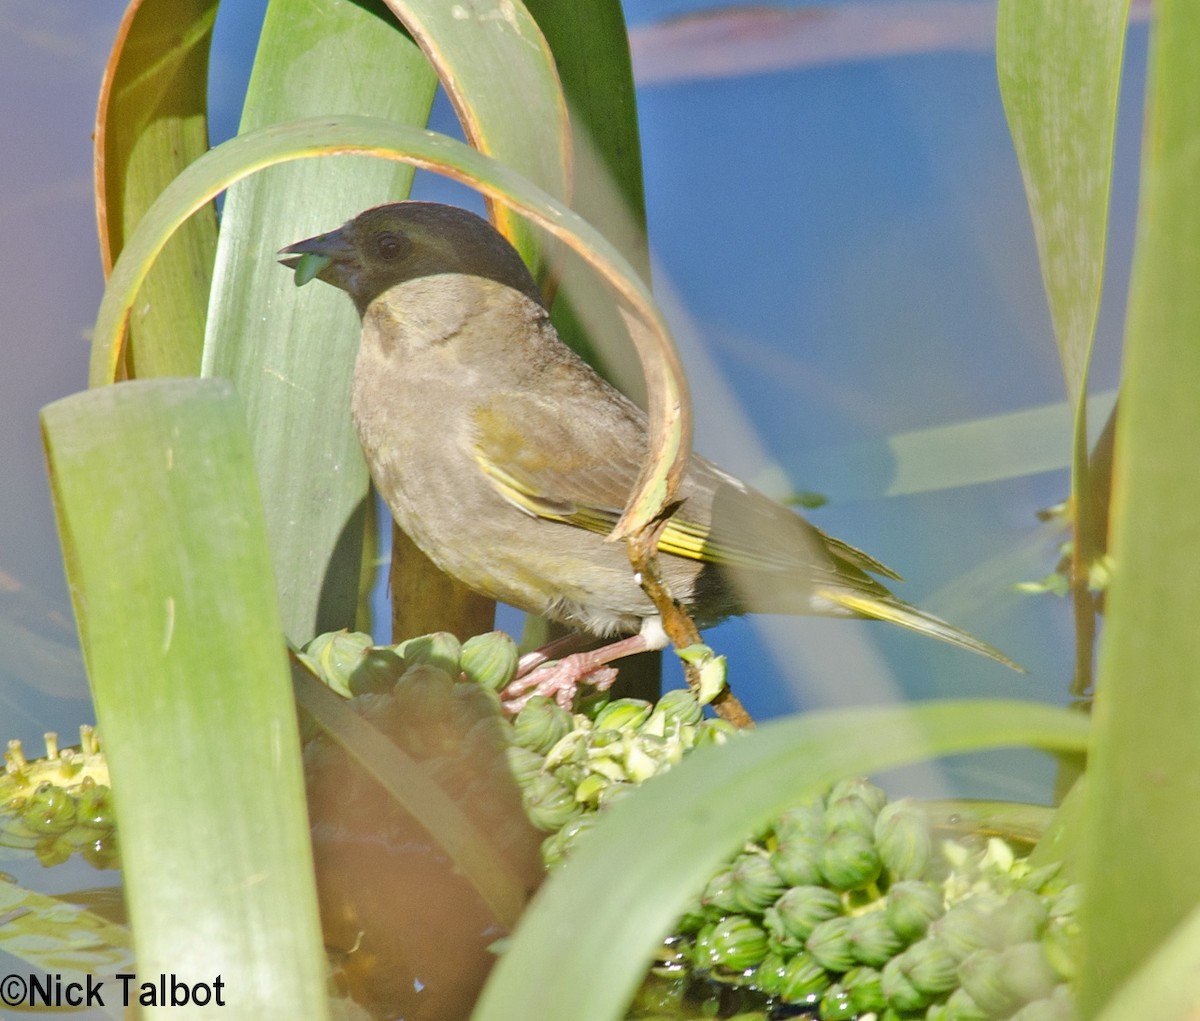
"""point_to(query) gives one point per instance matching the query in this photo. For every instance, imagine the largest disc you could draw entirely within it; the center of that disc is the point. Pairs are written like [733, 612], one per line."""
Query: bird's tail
[896, 611]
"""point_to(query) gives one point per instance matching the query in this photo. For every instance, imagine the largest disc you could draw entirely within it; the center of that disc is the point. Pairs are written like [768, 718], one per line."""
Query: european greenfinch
[507, 459]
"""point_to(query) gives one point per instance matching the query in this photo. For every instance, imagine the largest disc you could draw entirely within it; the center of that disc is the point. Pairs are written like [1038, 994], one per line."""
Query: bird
[508, 459]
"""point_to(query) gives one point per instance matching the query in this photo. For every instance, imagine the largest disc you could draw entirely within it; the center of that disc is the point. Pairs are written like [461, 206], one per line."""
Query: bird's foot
[560, 680]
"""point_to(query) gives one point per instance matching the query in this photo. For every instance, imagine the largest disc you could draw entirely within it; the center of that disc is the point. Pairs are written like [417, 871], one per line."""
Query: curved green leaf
[239, 157]
[150, 124]
[630, 879]
[290, 353]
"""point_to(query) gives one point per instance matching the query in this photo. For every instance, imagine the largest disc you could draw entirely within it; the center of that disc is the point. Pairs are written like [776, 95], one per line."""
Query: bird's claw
[560, 680]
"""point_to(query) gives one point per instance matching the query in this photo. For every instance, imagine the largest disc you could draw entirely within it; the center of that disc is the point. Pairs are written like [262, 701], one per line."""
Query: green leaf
[166, 550]
[633, 875]
[1167, 986]
[290, 353]
[1143, 827]
[151, 123]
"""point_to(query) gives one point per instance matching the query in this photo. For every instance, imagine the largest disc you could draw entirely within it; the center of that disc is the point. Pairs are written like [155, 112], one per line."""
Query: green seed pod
[623, 715]
[377, 671]
[679, 705]
[94, 808]
[718, 892]
[489, 660]
[755, 883]
[804, 980]
[335, 655]
[829, 944]
[440, 649]
[865, 987]
[903, 839]
[548, 802]
[850, 812]
[836, 1004]
[898, 989]
[49, 810]
[931, 967]
[872, 940]
[801, 909]
[911, 906]
[798, 861]
[849, 860]
[735, 943]
[523, 764]
[541, 724]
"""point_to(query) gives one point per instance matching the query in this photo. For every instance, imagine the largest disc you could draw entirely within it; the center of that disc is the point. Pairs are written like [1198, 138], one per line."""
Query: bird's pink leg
[562, 679]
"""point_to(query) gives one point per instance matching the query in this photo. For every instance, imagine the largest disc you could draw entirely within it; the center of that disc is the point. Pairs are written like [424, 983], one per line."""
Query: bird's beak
[328, 256]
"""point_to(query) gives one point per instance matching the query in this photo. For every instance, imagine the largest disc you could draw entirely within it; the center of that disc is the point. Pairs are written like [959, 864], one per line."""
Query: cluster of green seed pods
[59, 804]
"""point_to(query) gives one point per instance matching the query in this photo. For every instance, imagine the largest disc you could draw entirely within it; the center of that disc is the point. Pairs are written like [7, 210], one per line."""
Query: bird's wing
[581, 468]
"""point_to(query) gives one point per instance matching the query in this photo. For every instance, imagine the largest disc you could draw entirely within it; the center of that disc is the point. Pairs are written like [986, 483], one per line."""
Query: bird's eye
[392, 246]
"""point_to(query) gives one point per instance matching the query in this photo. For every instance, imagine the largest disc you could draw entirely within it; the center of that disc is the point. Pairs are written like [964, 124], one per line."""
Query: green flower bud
[898, 989]
[734, 943]
[523, 764]
[798, 861]
[613, 793]
[440, 649]
[541, 724]
[930, 966]
[588, 791]
[804, 980]
[94, 809]
[862, 788]
[850, 812]
[911, 906]
[49, 810]
[377, 671]
[836, 1004]
[960, 1007]
[714, 731]
[489, 660]
[800, 910]
[1020, 919]
[829, 944]
[804, 821]
[1059, 1006]
[755, 883]
[572, 774]
[849, 860]
[679, 705]
[872, 940]
[548, 802]
[1067, 902]
[982, 975]
[335, 655]
[1028, 973]
[471, 703]
[865, 988]
[557, 846]
[623, 714]
[53, 851]
[768, 976]
[965, 928]
[903, 839]
[718, 892]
